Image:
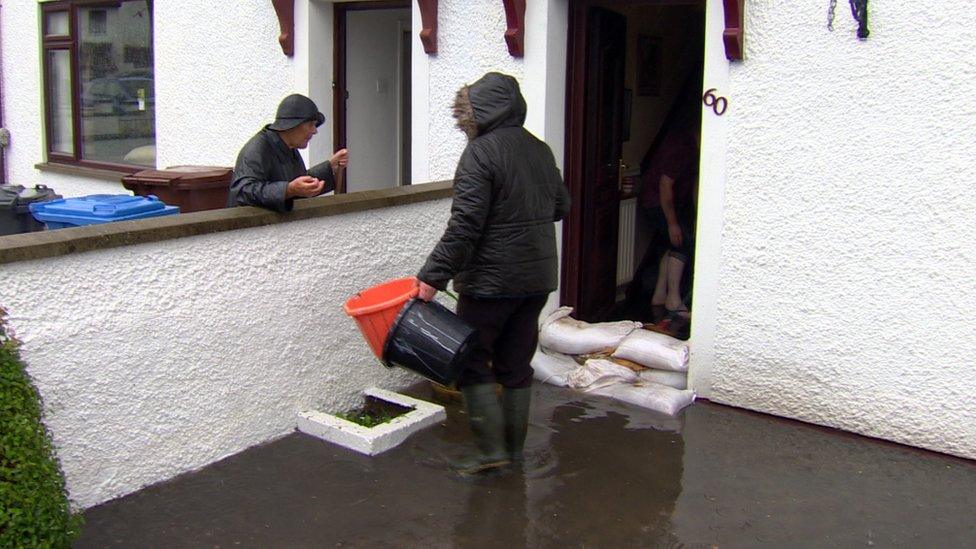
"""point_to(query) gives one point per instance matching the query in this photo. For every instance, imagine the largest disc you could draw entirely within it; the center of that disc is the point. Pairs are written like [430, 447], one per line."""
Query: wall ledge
[84, 171]
[45, 244]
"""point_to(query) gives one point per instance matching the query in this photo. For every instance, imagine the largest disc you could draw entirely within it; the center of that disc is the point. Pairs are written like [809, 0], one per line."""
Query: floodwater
[598, 474]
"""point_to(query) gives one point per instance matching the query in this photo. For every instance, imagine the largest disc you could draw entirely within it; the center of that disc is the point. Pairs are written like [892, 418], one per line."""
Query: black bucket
[429, 339]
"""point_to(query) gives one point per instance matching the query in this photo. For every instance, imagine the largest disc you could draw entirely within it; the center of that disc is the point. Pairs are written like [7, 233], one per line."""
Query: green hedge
[34, 509]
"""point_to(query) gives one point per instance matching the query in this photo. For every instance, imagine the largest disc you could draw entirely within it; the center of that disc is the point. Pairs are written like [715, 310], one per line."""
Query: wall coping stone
[44, 244]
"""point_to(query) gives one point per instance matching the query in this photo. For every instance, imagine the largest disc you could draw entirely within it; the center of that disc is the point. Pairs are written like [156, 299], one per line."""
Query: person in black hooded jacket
[499, 248]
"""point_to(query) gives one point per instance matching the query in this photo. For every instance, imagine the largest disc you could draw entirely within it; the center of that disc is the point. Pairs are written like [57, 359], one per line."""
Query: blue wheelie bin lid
[99, 208]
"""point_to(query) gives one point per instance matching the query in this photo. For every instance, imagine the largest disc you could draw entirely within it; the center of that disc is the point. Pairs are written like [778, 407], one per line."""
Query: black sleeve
[252, 187]
[469, 214]
[562, 194]
[323, 171]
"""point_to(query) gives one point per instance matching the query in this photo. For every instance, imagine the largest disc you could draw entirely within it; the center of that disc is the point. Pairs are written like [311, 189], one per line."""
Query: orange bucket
[376, 309]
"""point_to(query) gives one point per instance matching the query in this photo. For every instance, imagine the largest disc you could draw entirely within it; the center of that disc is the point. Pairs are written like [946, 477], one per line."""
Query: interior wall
[674, 26]
[372, 38]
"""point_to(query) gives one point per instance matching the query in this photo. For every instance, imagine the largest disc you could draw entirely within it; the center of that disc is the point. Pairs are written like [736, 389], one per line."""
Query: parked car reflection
[125, 93]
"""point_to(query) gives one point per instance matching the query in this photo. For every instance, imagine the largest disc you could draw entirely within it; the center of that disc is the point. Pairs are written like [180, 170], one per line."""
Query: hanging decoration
[859, 10]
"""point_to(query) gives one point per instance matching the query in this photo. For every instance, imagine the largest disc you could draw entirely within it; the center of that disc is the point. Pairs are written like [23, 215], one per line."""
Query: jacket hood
[497, 102]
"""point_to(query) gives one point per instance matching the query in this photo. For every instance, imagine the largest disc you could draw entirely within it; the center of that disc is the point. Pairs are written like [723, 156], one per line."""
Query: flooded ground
[598, 474]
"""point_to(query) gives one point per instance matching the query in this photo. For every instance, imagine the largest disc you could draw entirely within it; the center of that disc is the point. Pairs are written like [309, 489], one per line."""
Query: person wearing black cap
[269, 171]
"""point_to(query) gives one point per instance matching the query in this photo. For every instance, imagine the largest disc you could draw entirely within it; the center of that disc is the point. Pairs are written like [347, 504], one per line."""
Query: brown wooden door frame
[339, 49]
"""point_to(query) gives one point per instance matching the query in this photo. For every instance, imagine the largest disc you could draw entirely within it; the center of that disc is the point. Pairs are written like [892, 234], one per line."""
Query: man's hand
[305, 186]
[339, 160]
[426, 291]
[674, 232]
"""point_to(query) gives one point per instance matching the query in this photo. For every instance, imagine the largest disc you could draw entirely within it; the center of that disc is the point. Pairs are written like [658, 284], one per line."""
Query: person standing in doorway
[499, 248]
[668, 200]
[269, 171]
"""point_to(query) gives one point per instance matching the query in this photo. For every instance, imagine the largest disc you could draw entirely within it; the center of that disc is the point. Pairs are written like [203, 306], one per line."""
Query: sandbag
[596, 373]
[654, 350]
[678, 380]
[653, 396]
[551, 367]
[563, 334]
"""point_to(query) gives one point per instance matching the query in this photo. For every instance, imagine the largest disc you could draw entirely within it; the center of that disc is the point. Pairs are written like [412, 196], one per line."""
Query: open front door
[596, 142]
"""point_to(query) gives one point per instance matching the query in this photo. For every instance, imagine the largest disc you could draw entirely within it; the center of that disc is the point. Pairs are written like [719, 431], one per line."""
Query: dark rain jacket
[263, 170]
[500, 240]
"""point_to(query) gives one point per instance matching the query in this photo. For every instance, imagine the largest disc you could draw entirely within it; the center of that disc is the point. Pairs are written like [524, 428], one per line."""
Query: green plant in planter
[364, 418]
[375, 412]
[34, 510]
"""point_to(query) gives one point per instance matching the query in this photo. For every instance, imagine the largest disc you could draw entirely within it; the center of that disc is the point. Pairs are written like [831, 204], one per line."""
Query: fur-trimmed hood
[494, 101]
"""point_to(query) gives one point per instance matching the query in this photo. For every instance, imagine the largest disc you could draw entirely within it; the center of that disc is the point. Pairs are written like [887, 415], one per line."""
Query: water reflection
[597, 473]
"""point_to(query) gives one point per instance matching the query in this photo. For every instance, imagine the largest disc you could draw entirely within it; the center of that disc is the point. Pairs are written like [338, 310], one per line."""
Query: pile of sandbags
[615, 359]
[563, 334]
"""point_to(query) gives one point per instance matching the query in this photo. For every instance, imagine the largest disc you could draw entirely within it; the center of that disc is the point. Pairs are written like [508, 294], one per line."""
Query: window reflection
[56, 23]
[59, 97]
[116, 75]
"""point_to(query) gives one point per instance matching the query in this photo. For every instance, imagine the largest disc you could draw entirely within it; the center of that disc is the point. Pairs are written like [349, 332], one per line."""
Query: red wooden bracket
[734, 29]
[515, 34]
[428, 19]
[286, 21]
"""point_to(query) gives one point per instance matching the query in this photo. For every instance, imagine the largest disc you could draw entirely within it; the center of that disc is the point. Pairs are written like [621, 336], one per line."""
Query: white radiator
[625, 241]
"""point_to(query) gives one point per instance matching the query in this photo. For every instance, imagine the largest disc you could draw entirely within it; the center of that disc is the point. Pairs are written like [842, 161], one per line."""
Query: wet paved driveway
[598, 474]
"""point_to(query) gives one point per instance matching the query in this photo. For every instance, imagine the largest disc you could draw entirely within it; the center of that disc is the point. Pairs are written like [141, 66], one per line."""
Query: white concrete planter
[373, 440]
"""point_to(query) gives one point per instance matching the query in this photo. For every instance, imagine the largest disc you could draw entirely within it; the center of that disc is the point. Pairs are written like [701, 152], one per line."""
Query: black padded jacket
[500, 240]
[263, 170]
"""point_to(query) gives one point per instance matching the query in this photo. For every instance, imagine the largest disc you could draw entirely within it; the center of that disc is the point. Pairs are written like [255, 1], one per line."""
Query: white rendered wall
[160, 358]
[847, 285]
[217, 83]
[711, 214]
[372, 40]
[464, 54]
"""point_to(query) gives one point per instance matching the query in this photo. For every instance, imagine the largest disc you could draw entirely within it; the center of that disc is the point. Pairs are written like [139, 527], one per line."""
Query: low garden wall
[162, 345]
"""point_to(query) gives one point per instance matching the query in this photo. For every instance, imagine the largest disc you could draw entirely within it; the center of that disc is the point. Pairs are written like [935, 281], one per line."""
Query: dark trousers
[508, 331]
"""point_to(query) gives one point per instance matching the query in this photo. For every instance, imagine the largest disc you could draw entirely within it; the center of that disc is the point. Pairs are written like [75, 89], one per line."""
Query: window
[100, 106]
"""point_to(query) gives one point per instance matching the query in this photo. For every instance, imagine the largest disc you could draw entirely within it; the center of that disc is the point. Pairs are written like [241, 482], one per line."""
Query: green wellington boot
[487, 425]
[515, 403]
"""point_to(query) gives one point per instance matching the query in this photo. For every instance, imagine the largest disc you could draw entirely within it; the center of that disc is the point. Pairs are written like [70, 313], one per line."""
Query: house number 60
[718, 103]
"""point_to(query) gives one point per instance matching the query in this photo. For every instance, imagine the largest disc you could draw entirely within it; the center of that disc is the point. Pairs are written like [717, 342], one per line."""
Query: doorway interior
[634, 86]
[372, 92]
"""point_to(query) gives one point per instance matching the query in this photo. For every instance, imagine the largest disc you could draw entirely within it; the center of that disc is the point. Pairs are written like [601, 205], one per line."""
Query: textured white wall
[464, 54]
[217, 83]
[160, 358]
[846, 286]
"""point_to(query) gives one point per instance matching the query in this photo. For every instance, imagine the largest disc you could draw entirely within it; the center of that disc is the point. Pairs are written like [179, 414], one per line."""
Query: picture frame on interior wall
[648, 66]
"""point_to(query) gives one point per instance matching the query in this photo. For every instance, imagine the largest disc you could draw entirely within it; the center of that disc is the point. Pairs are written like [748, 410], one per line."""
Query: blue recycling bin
[99, 208]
